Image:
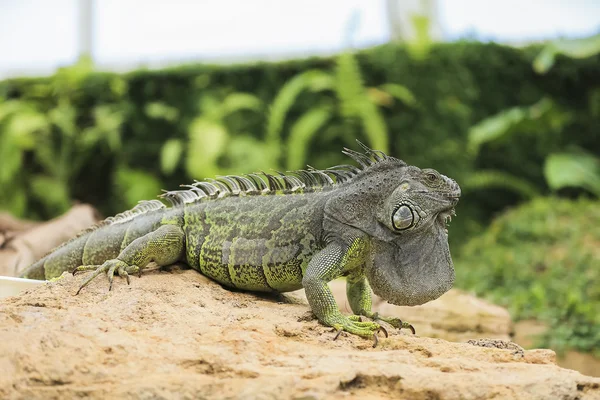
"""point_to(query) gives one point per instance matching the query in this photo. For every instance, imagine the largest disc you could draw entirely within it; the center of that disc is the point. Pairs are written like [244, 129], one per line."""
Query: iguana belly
[252, 264]
[256, 244]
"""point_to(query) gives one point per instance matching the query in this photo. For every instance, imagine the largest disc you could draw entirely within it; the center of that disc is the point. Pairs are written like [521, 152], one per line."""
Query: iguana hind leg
[164, 246]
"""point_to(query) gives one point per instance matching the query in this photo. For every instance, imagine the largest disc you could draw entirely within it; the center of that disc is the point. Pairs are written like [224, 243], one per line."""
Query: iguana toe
[109, 267]
[393, 321]
[353, 325]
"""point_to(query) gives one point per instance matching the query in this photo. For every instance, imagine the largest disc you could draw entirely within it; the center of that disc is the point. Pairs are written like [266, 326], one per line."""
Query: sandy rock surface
[178, 335]
[23, 242]
[455, 316]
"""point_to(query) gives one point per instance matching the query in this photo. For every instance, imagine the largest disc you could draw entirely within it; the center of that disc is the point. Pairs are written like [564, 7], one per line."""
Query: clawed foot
[393, 321]
[353, 324]
[109, 267]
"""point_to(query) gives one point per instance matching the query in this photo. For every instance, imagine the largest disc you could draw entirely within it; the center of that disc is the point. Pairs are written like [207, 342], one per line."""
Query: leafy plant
[540, 260]
[576, 48]
[60, 147]
[573, 170]
[561, 169]
[20, 122]
[356, 104]
[307, 125]
[209, 138]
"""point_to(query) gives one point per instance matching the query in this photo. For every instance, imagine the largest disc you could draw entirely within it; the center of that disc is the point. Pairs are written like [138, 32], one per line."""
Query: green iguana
[381, 225]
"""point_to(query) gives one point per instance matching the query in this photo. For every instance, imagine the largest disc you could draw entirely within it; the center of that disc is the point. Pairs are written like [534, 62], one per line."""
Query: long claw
[122, 272]
[337, 335]
[409, 326]
[98, 271]
[375, 339]
[385, 332]
[111, 274]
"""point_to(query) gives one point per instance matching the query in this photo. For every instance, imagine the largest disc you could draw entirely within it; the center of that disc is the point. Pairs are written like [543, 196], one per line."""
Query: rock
[179, 335]
[27, 241]
[456, 316]
[527, 333]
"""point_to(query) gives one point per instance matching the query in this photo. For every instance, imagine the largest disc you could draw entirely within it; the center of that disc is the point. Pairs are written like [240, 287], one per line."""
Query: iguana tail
[99, 243]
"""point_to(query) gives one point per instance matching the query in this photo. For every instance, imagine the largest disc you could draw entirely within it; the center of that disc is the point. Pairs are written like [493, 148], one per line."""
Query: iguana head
[404, 209]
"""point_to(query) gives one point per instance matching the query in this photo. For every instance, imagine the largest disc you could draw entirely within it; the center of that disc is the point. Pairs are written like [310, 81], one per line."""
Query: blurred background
[108, 102]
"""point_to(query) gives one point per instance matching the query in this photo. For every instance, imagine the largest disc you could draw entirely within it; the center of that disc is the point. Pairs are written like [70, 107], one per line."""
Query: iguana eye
[403, 218]
[431, 177]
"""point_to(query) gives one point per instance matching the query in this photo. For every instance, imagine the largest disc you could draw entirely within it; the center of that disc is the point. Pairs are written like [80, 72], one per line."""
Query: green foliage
[313, 80]
[576, 48]
[542, 260]
[573, 170]
[170, 155]
[301, 133]
[81, 128]
[134, 185]
[542, 120]
[356, 105]
[537, 119]
[483, 179]
[49, 133]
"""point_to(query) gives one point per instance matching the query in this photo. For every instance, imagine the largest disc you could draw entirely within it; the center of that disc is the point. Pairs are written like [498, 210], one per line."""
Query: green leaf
[573, 170]
[514, 119]
[349, 86]
[355, 103]
[246, 153]
[485, 179]
[421, 44]
[301, 134]
[12, 158]
[51, 192]
[240, 101]
[575, 48]
[160, 110]
[23, 126]
[400, 92]
[135, 185]
[109, 120]
[545, 60]
[14, 200]
[495, 127]
[207, 142]
[170, 155]
[374, 125]
[313, 80]
[63, 116]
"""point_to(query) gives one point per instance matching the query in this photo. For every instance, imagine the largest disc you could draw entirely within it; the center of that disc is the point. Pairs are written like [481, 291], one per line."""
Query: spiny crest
[291, 182]
[142, 207]
[261, 183]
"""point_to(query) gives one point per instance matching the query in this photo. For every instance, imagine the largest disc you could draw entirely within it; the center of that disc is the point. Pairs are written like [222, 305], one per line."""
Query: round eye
[403, 218]
[431, 177]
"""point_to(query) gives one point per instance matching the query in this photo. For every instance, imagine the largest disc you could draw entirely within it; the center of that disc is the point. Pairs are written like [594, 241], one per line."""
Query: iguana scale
[382, 225]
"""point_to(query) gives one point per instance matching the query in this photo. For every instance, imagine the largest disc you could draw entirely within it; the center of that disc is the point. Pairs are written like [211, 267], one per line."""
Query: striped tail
[100, 243]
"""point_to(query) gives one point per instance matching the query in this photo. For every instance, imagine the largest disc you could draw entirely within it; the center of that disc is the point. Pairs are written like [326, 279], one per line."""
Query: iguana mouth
[445, 216]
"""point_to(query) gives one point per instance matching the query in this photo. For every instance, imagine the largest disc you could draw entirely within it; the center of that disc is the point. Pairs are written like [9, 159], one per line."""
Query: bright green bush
[541, 260]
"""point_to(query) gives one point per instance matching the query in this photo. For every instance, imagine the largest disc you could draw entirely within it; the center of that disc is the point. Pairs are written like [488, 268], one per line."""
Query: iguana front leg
[164, 246]
[324, 267]
[359, 296]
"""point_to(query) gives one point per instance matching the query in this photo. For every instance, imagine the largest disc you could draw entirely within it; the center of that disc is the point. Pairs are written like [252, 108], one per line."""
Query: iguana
[381, 224]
